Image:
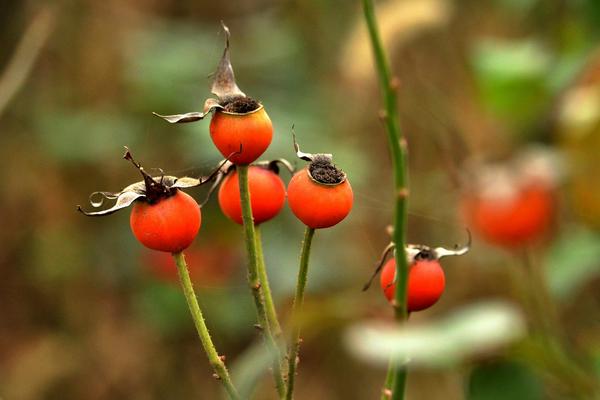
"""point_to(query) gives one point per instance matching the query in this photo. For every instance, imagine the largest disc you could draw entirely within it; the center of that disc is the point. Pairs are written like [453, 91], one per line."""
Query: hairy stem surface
[254, 278]
[264, 281]
[215, 360]
[296, 309]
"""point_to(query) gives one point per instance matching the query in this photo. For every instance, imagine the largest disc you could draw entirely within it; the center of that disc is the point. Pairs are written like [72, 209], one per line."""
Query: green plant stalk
[559, 356]
[264, 281]
[389, 381]
[254, 279]
[216, 362]
[397, 145]
[296, 308]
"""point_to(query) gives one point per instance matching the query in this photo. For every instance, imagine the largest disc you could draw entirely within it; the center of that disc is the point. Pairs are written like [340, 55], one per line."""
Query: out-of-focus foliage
[491, 381]
[88, 314]
[445, 343]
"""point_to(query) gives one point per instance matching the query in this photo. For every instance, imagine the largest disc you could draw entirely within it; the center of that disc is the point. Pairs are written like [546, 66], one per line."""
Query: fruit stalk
[397, 145]
[254, 278]
[215, 360]
[296, 308]
[264, 281]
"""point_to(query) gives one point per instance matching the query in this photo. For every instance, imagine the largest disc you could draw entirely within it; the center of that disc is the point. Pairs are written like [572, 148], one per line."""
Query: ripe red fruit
[316, 204]
[426, 282]
[267, 195]
[242, 137]
[514, 220]
[170, 224]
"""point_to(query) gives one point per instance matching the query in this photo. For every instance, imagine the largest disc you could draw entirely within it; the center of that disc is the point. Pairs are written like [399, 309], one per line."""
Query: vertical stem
[559, 355]
[254, 280]
[397, 146]
[297, 306]
[264, 281]
[216, 362]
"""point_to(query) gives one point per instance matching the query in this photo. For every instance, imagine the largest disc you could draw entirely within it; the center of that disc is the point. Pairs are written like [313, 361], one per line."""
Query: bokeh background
[87, 313]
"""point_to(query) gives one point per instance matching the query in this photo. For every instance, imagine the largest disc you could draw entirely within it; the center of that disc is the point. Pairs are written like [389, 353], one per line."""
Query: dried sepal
[273, 165]
[209, 105]
[151, 189]
[389, 248]
[308, 156]
[416, 252]
[103, 196]
[457, 251]
[124, 199]
[224, 86]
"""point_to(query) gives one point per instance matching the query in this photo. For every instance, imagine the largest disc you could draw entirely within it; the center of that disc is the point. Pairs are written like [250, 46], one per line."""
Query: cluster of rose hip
[166, 219]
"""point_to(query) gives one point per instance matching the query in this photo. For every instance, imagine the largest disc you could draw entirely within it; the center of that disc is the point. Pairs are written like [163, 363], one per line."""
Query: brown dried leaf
[124, 200]
[224, 85]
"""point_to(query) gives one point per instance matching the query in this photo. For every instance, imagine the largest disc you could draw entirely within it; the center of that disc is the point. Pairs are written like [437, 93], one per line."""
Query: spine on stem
[215, 360]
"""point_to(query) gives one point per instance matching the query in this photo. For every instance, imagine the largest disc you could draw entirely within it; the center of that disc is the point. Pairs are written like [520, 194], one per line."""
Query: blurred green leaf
[163, 307]
[58, 254]
[572, 261]
[85, 135]
[512, 77]
[491, 382]
[467, 332]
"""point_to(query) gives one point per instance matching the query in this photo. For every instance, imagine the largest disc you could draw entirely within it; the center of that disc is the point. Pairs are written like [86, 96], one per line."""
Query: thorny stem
[397, 146]
[264, 281]
[254, 278]
[215, 360]
[297, 306]
[389, 380]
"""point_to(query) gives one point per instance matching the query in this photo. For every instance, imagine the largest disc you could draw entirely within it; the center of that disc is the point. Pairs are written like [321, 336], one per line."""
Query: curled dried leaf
[124, 199]
[103, 196]
[307, 156]
[209, 105]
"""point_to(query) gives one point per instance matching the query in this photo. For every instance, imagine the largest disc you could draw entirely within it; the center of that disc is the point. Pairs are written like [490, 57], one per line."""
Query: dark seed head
[324, 171]
[240, 105]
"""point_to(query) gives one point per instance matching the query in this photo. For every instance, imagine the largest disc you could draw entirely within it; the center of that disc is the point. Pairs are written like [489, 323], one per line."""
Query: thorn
[222, 358]
[403, 143]
[395, 83]
[258, 327]
[403, 193]
[217, 377]
[257, 286]
[382, 114]
[387, 393]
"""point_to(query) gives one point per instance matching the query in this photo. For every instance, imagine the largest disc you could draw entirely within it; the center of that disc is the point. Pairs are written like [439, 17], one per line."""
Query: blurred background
[500, 104]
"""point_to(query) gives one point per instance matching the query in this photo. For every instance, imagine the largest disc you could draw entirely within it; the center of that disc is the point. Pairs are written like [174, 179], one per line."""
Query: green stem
[296, 307]
[560, 357]
[389, 381]
[397, 145]
[254, 279]
[264, 281]
[215, 360]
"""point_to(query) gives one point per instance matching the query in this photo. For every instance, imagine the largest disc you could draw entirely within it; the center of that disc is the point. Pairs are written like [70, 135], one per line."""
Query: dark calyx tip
[240, 105]
[324, 171]
[426, 254]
